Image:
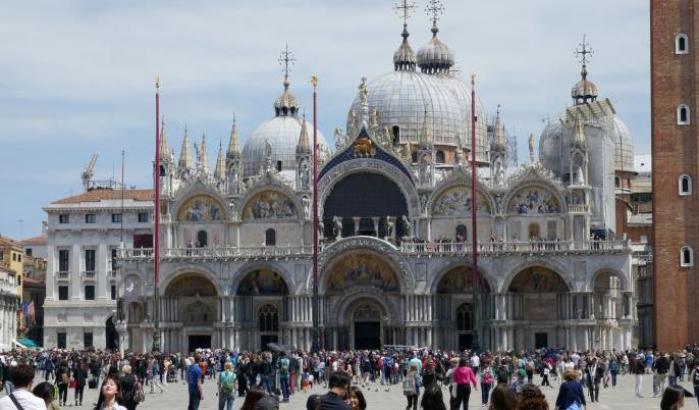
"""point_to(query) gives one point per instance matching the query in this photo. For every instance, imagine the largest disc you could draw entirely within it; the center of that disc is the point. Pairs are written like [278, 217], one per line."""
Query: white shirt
[25, 398]
[475, 361]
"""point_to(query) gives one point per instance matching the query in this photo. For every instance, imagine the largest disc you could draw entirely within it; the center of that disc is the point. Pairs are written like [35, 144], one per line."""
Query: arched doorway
[111, 335]
[353, 286]
[540, 298]
[455, 307]
[195, 301]
[261, 307]
[610, 308]
[365, 196]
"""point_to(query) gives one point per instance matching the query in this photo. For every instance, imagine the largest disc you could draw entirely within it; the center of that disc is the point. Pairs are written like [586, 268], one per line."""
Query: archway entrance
[134, 319]
[111, 335]
[261, 307]
[359, 288]
[366, 322]
[540, 298]
[455, 307]
[193, 302]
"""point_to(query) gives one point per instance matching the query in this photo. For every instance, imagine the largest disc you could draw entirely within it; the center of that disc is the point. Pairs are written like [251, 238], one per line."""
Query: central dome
[406, 99]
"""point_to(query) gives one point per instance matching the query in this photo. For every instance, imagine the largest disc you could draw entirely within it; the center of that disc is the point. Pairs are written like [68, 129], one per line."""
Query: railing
[89, 274]
[513, 247]
[231, 252]
[63, 275]
[579, 208]
[409, 248]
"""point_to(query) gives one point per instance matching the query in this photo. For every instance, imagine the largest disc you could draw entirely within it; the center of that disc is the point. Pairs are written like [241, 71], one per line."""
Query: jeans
[696, 393]
[485, 390]
[463, 392]
[594, 392]
[662, 379]
[284, 381]
[63, 393]
[613, 379]
[194, 400]
[266, 383]
[225, 400]
[79, 389]
[673, 381]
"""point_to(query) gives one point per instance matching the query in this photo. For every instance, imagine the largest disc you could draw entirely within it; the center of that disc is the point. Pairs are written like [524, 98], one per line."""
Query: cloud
[78, 76]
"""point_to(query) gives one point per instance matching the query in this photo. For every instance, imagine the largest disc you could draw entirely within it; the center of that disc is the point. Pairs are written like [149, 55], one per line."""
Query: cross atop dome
[286, 58]
[404, 57]
[434, 8]
[584, 91]
[404, 8]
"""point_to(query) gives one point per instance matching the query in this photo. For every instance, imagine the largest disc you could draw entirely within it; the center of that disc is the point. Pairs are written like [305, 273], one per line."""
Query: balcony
[63, 275]
[418, 249]
[88, 274]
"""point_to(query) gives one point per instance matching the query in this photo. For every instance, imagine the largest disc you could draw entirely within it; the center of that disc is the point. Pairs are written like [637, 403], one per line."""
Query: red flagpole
[316, 298]
[474, 227]
[156, 240]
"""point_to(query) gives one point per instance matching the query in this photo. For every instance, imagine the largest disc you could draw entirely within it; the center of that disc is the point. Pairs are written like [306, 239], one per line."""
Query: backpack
[227, 380]
[284, 366]
[409, 386]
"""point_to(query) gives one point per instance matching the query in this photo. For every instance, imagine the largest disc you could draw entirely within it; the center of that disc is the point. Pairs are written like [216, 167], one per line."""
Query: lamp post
[316, 299]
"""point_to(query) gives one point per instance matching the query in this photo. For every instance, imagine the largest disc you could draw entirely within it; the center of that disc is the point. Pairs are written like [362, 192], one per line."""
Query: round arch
[461, 182]
[537, 198]
[360, 268]
[452, 276]
[262, 282]
[329, 181]
[269, 190]
[250, 268]
[200, 204]
[609, 272]
[340, 312]
[191, 271]
[537, 279]
[550, 264]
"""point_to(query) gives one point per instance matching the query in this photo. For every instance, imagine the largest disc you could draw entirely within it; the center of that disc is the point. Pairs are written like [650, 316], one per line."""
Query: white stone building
[85, 232]
[395, 204]
[9, 306]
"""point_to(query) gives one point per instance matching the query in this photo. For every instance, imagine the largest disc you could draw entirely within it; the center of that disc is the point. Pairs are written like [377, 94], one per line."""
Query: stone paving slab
[175, 397]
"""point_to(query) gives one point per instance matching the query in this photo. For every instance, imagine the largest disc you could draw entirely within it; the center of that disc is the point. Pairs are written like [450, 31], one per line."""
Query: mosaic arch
[200, 208]
[538, 279]
[362, 270]
[460, 280]
[534, 200]
[457, 201]
[262, 282]
[191, 285]
[269, 205]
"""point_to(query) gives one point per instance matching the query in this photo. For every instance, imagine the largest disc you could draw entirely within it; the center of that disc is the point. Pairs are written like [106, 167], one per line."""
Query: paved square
[175, 397]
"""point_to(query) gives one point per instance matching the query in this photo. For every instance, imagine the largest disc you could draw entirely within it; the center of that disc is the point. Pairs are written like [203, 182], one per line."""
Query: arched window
[683, 117]
[464, 317]
[681, 44]
[202, 239]
[268, 319]
[279, 166]
[440, 157]
[413, 156]
[534, 231]
[270, 237]
[461, 233]
[684, 184]
[616, 182]
[686, 257]
[396, 134]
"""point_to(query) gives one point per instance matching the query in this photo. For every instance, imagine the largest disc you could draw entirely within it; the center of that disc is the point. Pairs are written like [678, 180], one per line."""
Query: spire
[233, 143]
[303, 146]
[220, 169]
[436, 9]
[404, 57]
[164, 146]
[204, 156]
[426, 137]
[499, 143]
[364, 101]
[185, 157]
[435, 57]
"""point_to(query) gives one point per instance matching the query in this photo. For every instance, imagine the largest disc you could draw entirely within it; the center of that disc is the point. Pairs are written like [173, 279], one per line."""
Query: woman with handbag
[62, 381]
[487, 381]
[79, 379]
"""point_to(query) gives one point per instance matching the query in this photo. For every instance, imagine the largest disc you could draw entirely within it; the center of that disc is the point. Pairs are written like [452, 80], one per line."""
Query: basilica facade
[395, 203]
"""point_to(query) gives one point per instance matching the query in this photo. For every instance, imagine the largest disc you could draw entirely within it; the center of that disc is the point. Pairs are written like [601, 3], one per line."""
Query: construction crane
[89, 171]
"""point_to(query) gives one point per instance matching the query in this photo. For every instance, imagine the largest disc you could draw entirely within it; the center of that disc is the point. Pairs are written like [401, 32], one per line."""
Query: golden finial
[157, 82]
[314, 81]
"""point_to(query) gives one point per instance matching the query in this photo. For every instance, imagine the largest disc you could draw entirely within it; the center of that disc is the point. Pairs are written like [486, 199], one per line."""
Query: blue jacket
[570, 392]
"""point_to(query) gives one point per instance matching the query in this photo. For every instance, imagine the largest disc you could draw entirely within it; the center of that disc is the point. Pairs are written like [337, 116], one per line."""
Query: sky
[77, 77]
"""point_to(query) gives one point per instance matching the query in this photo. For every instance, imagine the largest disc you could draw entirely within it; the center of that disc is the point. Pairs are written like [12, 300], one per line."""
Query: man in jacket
[639, 369]
[594, 373]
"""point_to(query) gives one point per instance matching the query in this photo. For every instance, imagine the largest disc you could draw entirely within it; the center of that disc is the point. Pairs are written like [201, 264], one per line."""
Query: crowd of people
[430, 380]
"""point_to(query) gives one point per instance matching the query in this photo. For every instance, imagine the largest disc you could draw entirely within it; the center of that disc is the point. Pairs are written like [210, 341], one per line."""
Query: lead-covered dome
[623, 146]
[435, 56]
[407, 102]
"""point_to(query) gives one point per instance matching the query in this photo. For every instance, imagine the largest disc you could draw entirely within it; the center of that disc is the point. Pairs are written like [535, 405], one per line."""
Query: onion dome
[286, 104]
[584, 91]
[404, 57]
[435, 57]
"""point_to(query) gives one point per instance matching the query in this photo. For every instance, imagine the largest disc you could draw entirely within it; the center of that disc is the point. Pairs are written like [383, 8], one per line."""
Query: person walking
[593, 376]
[639, 369]
[283, 364]
[613, 370]
[411, 387]
[487, 381]
[694, 377]
[62, 381]
[464, 378]
[194, 384]
[570, 394]
[226, 387]
[80, 378]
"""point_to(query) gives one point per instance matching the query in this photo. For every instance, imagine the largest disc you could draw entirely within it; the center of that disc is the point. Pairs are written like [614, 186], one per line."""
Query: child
[306, 382]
